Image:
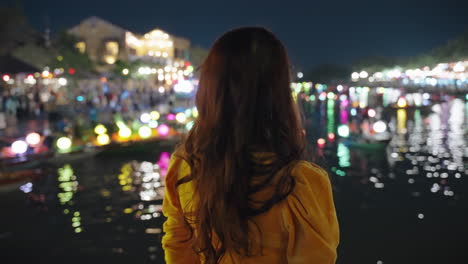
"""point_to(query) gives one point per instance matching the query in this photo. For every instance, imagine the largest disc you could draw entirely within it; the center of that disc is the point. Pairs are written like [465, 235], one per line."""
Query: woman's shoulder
[308, 174]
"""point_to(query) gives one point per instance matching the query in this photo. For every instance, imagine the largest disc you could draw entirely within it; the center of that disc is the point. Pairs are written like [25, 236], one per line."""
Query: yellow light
[402, 102]
[125, 71]
[181, 118]
[100, 129]
[125, 132]
[145, 132]
[401, 121]
[103, 139]
[64, 143]
[60, 58]
[155, 115]
[195, 112]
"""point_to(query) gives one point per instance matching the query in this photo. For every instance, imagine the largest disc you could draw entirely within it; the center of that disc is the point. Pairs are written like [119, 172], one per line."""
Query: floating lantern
[33, 138]
[103, 139]
[100, 129]
[19, 147]
[163, 130]
[145, 132]
[64, 143]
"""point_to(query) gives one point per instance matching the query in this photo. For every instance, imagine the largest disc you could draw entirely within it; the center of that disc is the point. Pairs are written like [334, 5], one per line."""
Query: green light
[312, 97]
[78, 230]
[330, 116]
[343, 156]
[76, 224]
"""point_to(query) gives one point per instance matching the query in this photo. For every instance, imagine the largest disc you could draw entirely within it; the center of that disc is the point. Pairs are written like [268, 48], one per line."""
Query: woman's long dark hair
[245, 107]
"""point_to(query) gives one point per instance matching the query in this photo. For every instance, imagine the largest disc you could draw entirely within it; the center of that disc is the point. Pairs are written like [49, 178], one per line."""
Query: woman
[237, 189]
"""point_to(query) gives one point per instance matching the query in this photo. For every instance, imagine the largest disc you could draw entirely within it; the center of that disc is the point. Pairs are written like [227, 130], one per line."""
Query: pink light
[170, 117]
[163, 130]
[331, 136]
[344, 117]
[321, 142]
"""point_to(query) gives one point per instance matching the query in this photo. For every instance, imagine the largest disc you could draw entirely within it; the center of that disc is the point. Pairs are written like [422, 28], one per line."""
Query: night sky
[314, 31]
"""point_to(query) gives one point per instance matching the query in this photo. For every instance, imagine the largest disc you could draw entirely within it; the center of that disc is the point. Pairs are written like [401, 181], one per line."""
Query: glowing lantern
[170, 117]
[145, 132]
[125, 132]
[64, 143]
[155, 115]
[321, 142]
[145, 118]
[103, 139]
[33, 138]
[181, 118]
[402, 102]
[343, 131]
[153, 124]
[19, 147]
[379, 127]
[100, 129]
[163, 130]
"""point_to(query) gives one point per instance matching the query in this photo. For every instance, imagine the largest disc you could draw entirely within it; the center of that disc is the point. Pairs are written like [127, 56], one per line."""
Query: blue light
[353, 112]
[80, 98]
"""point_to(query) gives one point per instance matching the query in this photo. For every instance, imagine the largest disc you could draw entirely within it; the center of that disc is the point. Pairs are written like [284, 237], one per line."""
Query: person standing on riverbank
[238, 188]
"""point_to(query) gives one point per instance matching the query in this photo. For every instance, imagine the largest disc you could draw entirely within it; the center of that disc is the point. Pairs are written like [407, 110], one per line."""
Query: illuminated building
[107, 42]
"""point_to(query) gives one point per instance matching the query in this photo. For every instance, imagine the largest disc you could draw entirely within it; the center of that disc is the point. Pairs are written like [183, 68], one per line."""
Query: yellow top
[302, 228]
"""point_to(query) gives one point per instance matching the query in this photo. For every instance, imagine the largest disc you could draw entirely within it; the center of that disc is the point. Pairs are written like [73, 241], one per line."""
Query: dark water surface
[405, 202]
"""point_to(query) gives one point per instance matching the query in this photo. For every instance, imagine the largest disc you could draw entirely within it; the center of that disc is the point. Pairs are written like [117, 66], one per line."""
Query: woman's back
[236, 189]
[303, 228]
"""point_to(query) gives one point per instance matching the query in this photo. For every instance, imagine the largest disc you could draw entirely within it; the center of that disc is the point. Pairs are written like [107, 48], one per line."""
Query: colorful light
[103, 139]
[163, 130]
[181, 118]
[189, 125]
[195, 112]
[353, 112]
[330, 95]
[125, 71]
[71, 71]
[343, 131]
[371, 113]
[155, 115]
[402, 102]
[6, 77]
[145, 132]
[379, 126]
[125, 132]
[153, 124]
[100, 129]
[321, 142]
[19, 147]
[62, 81]
[145, 118]
[33, 138]
[331, 136]
[170, 117]
[64, 143]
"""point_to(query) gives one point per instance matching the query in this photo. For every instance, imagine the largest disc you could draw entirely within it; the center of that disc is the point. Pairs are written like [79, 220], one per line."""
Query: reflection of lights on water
[401, 121]
[343, 156]
[26, 188]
